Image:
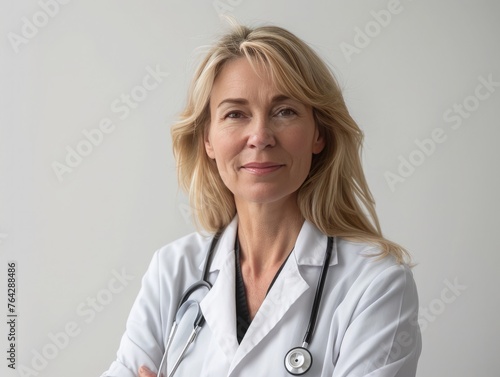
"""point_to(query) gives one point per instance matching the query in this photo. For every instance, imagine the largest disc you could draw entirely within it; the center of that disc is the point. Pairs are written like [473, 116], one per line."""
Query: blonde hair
[335, 195]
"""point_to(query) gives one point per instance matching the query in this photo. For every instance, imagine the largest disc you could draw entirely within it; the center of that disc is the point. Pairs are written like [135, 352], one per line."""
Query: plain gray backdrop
[88, 187]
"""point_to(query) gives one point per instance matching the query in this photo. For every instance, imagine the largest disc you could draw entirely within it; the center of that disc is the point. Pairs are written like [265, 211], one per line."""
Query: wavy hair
[335, 195]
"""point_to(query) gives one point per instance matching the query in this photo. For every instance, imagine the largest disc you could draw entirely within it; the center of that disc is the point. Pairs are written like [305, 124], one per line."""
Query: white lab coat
[367, 323]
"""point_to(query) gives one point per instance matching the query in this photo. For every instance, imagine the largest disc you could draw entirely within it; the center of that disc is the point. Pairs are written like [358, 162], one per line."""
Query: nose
[261, 135]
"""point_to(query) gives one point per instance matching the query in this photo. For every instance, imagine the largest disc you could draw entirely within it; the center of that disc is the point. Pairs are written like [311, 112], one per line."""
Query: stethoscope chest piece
[298, 361]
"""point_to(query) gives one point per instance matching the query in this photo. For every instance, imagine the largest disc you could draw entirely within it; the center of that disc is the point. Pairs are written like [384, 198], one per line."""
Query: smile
[261, 168]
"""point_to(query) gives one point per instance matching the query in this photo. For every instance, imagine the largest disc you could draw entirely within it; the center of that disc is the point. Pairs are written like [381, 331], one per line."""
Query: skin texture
[251, 121]
[262, 143]
[145, 372]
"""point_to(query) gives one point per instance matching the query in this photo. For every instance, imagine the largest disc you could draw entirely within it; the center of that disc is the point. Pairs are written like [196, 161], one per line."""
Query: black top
[242, 314]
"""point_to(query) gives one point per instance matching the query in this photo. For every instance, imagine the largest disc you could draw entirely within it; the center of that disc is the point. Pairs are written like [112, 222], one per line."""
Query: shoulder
[175, 266]
[189, 250]
[360, 268]
[365, 256]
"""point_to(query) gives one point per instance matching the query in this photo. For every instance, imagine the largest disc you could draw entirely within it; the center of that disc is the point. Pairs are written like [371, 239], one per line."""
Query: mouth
[261, 168]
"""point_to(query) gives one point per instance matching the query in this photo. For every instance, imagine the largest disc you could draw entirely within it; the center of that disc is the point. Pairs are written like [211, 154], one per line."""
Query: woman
[269, 154]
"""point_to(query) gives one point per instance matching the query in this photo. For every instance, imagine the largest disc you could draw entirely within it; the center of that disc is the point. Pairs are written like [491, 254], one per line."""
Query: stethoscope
[297, 361]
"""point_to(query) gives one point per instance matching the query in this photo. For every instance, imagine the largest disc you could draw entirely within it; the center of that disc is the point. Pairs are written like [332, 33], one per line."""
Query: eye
[233, 115]
[286, 112]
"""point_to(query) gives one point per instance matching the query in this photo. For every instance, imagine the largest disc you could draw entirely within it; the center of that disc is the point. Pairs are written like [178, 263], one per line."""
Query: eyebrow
[243, 101]
[237, 101]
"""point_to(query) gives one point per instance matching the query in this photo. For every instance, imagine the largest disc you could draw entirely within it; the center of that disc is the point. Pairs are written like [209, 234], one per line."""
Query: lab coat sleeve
[383, 338]
[142, 343]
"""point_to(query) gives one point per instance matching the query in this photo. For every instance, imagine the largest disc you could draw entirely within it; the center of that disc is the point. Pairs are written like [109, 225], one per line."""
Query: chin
[268, 197]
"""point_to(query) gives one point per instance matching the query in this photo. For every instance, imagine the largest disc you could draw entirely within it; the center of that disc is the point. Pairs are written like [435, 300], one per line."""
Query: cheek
[299, 142]
[221, 149]
[300, 148]
[224, 150]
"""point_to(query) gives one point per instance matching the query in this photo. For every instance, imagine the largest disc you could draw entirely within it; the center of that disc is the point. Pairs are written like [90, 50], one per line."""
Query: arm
[142, 343]
[146, 372]
[383, 338]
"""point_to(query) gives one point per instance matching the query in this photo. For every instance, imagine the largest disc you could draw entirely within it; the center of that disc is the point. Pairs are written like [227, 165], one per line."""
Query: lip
[261, 168]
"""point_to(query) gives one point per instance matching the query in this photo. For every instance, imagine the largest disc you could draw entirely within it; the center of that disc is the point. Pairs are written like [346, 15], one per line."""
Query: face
[261, 140]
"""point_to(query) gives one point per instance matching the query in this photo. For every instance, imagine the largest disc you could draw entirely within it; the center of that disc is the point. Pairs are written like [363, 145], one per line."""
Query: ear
[208, 145]
[318, 142]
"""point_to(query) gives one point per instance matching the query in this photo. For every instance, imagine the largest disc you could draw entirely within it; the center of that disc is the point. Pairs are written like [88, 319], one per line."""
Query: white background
[121, 202]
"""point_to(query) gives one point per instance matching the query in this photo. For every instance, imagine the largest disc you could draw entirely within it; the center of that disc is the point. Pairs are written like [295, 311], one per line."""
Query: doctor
[270, 157]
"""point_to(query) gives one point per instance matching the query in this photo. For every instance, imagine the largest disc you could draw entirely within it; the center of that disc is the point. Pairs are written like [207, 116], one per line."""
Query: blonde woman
[297, 278]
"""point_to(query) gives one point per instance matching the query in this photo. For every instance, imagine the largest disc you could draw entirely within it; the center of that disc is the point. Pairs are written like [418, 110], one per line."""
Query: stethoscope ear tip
[298, 361]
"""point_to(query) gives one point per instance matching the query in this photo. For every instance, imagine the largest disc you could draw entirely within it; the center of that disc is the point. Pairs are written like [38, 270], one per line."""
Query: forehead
[242, 78]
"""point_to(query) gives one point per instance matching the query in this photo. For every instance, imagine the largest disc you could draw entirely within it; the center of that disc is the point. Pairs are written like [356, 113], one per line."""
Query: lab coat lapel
[218, 306]
[309, 250]
[284, 293]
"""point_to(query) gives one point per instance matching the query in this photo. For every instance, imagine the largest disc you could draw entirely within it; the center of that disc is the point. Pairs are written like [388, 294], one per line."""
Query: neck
[267, 234]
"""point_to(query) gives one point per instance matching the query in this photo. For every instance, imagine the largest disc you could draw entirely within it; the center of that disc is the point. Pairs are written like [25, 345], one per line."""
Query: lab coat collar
[224, 246]
[311, 245]
[309, 248]
[218, 306]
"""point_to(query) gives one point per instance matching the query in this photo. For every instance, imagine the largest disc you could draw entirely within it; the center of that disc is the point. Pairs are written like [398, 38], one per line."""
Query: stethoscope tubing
[190, 340]
[319, 293]
[200, 320]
